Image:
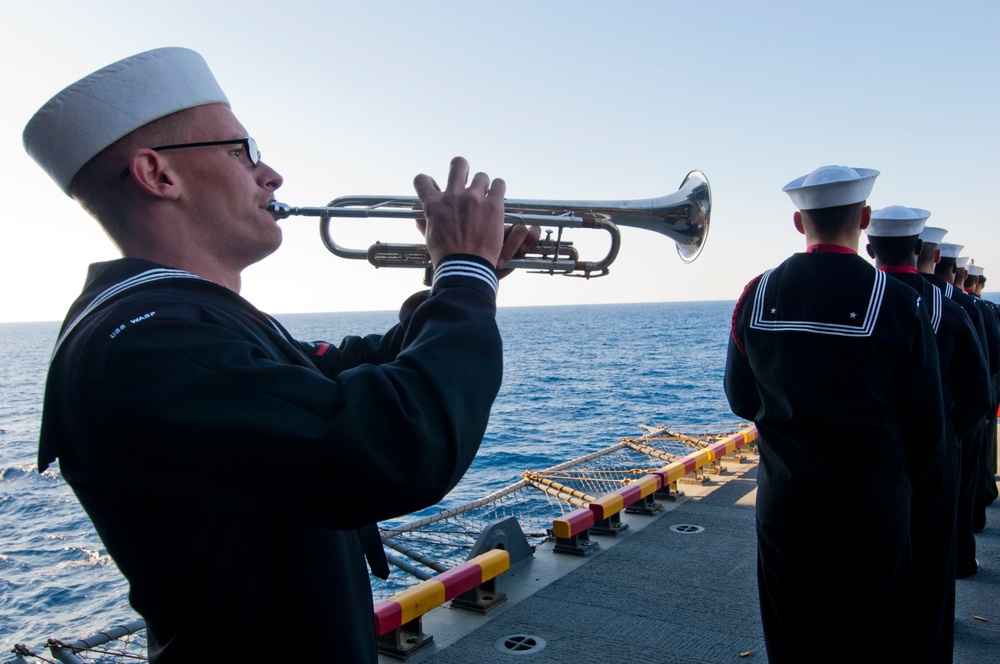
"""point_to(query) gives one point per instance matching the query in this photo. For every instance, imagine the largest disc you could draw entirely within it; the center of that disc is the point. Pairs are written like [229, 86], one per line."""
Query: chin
[273, 245]
[263, 245]
[271, 231]
[260, 255]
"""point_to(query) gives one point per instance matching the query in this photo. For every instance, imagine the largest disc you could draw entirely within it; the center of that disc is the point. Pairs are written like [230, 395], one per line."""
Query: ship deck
[679, 586]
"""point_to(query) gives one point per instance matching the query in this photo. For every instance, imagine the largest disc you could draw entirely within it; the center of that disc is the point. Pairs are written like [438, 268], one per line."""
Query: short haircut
[893, 249]
[945, 267]
[99, 187]
[927, 251]
[832, 221]
[925, 261]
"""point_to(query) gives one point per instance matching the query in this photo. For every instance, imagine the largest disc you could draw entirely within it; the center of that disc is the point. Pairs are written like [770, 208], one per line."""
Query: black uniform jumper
[228, 467]
[974, 443]
[965, 384]
[836, 364]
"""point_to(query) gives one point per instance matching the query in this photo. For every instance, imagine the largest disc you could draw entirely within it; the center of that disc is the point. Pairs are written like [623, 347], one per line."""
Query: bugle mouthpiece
[279, 210]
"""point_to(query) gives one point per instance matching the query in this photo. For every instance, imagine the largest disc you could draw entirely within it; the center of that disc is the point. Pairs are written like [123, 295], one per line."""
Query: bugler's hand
[460, 219]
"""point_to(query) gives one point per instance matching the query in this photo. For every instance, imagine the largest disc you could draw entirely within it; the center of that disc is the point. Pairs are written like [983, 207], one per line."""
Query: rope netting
[124, 643]
[433, 544]
[422, 548]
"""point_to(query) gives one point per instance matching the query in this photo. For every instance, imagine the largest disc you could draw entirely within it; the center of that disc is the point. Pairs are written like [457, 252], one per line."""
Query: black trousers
[832, 576]
[932, 535]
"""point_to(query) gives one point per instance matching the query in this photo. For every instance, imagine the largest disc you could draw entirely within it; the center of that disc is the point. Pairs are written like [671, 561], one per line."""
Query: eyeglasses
[249, 145]
[249, 148]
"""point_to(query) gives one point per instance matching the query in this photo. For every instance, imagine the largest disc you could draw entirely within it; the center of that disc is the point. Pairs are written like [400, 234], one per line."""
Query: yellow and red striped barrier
[414, 602]
[614, 502]
[692, 462]
[576, 522]
[573, 523]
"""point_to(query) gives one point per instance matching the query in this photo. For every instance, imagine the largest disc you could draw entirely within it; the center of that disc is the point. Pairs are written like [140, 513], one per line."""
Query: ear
[919, 247]
[866, 216]
[151, 172]
[797, 220]
[871, 252]
[937, 255]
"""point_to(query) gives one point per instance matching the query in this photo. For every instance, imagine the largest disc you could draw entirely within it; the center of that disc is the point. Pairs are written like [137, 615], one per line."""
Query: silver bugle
[683, 216]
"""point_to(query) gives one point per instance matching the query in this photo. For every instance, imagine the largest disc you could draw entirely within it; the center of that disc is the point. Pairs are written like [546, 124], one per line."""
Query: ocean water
[576, 379]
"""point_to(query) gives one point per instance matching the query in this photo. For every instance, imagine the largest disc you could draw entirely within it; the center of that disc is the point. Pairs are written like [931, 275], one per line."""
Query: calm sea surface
[576, 379]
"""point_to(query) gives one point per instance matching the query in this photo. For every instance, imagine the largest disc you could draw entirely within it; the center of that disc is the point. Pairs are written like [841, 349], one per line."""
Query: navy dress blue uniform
[992, 491]
[837, 365]
[986, 491]
[986, 488]
[933, 529]
[849, 417]
[893, 243]
[234, 473]
[973, 442]
[186, 380]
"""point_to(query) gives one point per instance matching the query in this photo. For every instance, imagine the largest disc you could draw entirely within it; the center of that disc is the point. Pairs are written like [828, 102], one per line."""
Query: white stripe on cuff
[459, 267]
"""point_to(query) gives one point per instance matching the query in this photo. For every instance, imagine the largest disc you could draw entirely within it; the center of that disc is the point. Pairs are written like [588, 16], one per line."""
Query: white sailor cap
[975, 271]
[830, 186]
[932, 234]
[961, 261]
[897, 221]
[951, 250]
[88, 116]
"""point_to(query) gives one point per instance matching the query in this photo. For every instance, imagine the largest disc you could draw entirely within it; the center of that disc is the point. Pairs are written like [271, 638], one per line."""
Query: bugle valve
[682, 216]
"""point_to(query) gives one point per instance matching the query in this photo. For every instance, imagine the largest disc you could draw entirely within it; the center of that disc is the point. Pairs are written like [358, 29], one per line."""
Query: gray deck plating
[658, 595]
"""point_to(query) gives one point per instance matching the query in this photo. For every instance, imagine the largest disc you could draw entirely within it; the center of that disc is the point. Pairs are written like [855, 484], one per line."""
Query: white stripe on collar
[937, 308]
[149, 276]
[863, 328]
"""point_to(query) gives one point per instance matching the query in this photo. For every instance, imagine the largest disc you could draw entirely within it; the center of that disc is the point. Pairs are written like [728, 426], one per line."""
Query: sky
[566, 101]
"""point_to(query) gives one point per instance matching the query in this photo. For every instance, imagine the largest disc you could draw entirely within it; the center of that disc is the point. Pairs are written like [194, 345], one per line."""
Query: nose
[267, 177]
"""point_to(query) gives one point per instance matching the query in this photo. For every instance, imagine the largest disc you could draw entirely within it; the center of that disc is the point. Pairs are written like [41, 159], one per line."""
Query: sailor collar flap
[145, 278]
[848, 311]
[113, 291]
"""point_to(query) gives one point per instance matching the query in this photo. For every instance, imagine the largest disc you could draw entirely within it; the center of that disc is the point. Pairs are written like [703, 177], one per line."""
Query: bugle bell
[683, 216]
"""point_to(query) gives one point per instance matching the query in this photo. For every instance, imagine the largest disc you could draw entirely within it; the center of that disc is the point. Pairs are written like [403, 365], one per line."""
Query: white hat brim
[831, 194]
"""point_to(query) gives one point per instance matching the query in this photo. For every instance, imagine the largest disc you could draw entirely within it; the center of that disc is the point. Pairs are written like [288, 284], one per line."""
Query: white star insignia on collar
[773, 311]
[853, 315]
